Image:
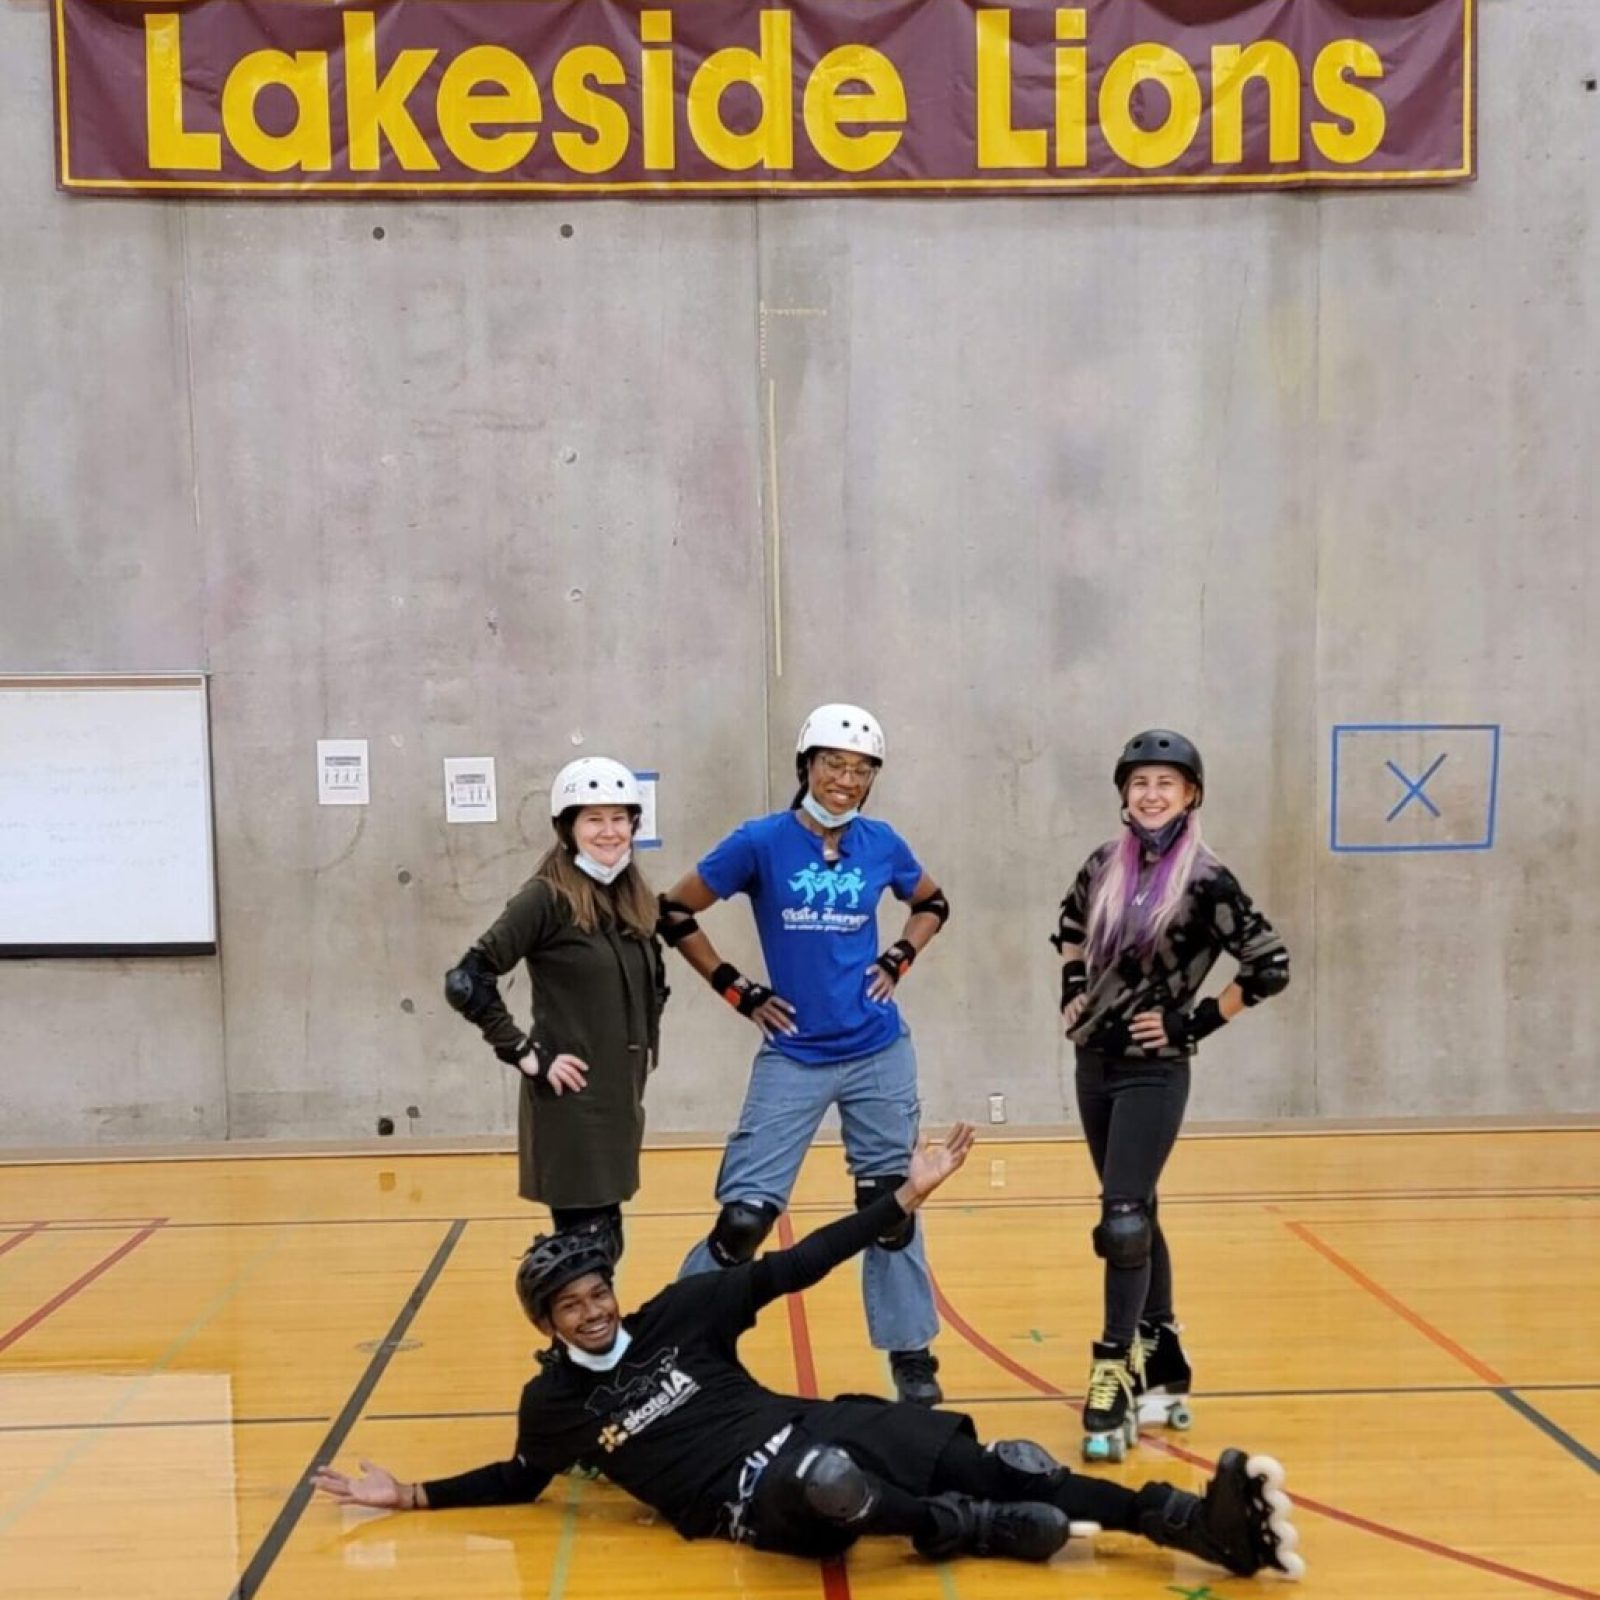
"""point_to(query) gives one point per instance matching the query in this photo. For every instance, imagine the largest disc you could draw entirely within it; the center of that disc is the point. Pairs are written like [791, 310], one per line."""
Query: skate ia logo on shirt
[815, 882]
[642, 1396]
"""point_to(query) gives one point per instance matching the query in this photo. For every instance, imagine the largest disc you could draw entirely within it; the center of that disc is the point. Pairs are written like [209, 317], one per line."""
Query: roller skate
[1163, 1392]
[1243, 1522]
[1110, 1411]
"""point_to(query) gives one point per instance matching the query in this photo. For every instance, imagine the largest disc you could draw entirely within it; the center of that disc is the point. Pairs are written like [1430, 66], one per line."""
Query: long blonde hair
[629, 904]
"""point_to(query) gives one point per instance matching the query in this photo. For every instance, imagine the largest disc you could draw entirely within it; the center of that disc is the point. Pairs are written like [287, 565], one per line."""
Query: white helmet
[841, 727]
[593, 781]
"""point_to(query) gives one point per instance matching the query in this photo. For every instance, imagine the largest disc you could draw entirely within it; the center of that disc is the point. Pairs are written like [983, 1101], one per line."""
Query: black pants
[576, 1216]
[890, 1447]
[1131, 1111]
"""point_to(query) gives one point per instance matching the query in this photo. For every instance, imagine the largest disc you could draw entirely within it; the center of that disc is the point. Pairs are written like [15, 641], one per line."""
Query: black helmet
[1161, 747]
[554, 1260]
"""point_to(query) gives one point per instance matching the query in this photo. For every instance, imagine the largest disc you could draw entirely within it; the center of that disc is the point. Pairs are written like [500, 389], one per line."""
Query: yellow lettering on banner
[1072, 90]
[658, 105]
[607, 142]
[1153, 147]
[308, 145]
[1232, 68]
[171, 145]
[377, 105]
[1000, 144]
[462, 109]
[827, 107]
[768, 71]
[1359, 107]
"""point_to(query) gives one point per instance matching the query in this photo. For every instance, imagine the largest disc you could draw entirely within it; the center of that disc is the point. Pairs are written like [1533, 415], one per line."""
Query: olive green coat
[597, 996]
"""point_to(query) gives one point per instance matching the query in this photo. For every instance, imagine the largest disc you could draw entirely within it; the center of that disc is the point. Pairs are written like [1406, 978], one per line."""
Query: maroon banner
[730, 97]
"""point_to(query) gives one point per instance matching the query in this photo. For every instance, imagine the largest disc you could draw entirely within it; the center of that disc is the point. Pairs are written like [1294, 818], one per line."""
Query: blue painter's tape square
[1414, 786]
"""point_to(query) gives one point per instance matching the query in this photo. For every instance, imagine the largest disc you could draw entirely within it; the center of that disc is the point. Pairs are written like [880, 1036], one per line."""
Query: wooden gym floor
[1411, 1322]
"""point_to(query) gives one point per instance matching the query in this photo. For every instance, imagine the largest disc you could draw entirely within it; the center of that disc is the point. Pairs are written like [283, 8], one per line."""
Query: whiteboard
[105, 817]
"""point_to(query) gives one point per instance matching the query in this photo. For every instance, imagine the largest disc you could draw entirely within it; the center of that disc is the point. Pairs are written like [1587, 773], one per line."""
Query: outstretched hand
[376, 1487]
[931, 1164]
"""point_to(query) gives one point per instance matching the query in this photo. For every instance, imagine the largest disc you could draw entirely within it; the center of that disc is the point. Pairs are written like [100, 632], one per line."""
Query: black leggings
[565, 1217]
[785, 1523]
[1131, 1111]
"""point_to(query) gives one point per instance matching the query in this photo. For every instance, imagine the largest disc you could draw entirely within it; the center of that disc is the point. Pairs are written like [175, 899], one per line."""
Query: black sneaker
[1021, 1530]
[914, 1379]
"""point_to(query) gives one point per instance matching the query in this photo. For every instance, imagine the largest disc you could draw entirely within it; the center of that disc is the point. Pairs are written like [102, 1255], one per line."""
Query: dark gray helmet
[554, 1260]
[1161, 747]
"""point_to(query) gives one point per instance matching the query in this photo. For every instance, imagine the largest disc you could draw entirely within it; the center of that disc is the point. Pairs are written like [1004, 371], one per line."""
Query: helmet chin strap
[1158, 841]
[605, 1362]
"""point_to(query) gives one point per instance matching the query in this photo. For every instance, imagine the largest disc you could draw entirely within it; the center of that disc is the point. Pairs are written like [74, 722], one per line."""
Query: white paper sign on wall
[648, 836]
[469, 792]
[342, 772]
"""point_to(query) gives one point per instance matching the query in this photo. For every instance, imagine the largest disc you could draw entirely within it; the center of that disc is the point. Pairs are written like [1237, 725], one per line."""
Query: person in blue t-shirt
[831, 1032]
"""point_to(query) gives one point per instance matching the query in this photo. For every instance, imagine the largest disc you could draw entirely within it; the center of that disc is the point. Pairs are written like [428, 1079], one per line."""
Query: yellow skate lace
[1106, 1377]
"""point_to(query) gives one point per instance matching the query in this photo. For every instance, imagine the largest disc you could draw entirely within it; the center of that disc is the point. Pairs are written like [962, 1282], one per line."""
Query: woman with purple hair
[1141, 927]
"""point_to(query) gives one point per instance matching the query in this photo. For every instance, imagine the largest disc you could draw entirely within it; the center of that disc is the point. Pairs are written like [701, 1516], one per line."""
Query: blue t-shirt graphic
[818, 924]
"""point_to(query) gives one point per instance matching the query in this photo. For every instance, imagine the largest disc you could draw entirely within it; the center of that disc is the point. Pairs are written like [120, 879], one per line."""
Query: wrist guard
[743, 994]
[515, 1054]
[897, 959]
[1074, 981]
[1187, 1029]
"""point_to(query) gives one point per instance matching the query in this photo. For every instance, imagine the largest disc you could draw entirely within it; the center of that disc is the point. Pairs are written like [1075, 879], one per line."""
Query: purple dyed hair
[1119, 916]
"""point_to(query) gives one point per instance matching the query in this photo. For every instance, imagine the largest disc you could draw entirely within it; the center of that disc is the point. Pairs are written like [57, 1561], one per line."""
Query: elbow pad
[675, 923]
[1261, 983]
[469, 986]
[933, 905]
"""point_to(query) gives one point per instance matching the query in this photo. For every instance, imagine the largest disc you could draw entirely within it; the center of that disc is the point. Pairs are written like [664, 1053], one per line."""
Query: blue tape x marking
[1414, 789]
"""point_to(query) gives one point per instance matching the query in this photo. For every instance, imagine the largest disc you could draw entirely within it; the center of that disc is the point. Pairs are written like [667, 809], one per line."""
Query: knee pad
[740, 1227]
[904, 1231]
[1124, 1234]
[833, 1487]
[1030, 1467]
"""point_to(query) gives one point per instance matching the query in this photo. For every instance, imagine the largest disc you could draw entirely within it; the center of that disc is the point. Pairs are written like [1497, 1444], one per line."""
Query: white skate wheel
[1278, 1501]
[1181, 1418]
[1287, 1535]
[1293, 1566]
[1267, 1468]
[1083, 1530]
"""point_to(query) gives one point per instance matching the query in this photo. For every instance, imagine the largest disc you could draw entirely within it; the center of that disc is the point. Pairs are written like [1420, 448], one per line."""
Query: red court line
[835, 1580]
[55, 1303]
[1473, 1365]
[21, 1237]
[1349, 1518]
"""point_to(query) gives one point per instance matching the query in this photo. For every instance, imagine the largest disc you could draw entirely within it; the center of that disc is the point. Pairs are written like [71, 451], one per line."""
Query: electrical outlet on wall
[997, 1108]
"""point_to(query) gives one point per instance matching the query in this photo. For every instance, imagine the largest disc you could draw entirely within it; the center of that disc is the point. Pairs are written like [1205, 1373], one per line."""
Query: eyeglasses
[843, 767]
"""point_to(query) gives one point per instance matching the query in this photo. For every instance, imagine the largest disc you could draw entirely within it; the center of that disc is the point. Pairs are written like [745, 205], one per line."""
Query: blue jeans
[880, 1114]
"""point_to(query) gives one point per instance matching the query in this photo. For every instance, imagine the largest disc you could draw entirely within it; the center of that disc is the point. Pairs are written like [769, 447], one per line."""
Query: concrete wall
[1032, 474]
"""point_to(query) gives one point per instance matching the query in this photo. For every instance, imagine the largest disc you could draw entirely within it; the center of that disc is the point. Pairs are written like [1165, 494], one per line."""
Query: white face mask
[819, 813]
[601, 1363]
[600, 872]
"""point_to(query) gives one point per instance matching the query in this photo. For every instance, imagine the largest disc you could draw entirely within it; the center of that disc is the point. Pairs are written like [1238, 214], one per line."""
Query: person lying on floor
[661, 1404]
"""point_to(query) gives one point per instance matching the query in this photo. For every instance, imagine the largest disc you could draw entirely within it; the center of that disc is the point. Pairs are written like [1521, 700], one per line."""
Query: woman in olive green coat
[585, 925]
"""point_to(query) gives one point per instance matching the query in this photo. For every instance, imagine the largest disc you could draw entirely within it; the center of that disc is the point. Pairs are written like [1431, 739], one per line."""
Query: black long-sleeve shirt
[674, 1421]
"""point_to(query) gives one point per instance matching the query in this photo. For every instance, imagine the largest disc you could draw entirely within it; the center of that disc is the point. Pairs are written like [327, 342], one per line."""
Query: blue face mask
[602, 874]
[820, 814]
[1162, 839]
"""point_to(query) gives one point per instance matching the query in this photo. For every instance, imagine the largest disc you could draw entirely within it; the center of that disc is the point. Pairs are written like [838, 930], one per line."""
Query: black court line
[251, 1579]
[1545, 1425]
[831, 1208]
[1373, 1392]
